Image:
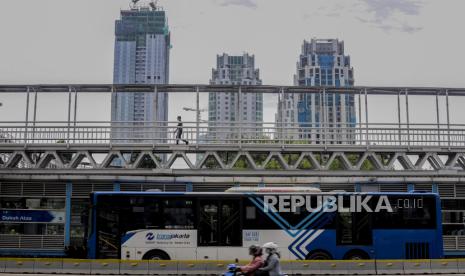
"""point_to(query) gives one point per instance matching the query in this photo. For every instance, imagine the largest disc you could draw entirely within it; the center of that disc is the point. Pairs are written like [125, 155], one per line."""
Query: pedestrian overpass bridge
[65, 157]
[71, 148]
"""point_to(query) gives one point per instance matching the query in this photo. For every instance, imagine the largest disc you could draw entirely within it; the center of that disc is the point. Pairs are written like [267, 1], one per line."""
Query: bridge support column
[69, 191]
[434, 188]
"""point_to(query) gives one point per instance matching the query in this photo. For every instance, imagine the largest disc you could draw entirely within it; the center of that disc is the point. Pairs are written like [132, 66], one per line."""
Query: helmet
[270, 245]
[255, 249]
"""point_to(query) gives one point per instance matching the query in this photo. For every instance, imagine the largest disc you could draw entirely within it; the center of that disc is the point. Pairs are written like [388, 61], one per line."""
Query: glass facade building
[224, 109]
[322, 62]
[142, 46]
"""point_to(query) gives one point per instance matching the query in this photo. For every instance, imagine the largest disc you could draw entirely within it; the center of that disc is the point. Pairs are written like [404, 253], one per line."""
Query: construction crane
[153, 4]
[133, 4]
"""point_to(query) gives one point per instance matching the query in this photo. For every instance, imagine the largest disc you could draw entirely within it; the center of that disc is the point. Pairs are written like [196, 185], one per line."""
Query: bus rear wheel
[356, 255]
[156, 255]
[318, 255]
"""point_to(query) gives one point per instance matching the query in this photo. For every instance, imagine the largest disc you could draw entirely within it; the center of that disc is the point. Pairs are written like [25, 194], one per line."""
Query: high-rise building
[224, 109]
[322, 62]
[142, 46]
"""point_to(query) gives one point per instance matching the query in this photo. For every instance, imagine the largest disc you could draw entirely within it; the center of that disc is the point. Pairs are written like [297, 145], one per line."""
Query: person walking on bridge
[178, 132]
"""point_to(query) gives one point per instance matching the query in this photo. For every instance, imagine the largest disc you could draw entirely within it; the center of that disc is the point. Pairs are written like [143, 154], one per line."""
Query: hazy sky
[391, 42]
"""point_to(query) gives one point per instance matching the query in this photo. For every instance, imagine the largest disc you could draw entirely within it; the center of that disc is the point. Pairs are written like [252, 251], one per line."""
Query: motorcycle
[232, 270]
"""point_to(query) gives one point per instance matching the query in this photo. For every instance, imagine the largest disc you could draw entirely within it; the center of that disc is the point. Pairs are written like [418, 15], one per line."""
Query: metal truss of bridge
[218, 159]
[237, 148]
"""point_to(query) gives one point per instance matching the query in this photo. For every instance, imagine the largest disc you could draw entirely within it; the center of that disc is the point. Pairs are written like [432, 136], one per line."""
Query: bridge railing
[162, 133]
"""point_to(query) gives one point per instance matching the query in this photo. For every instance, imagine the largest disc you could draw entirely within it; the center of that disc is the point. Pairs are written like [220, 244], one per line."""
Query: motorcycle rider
[257, 261]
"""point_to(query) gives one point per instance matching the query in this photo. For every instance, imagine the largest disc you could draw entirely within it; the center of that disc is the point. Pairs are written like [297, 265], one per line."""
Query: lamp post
[197, 118]
[198, 112]
[2, 136]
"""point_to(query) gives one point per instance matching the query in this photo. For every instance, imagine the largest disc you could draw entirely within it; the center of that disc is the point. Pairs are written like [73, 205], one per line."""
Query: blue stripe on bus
[271, 217]
[127, 236]
[324, 219]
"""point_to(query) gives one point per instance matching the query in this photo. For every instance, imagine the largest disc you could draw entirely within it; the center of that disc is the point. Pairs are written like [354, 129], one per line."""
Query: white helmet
[270, 245]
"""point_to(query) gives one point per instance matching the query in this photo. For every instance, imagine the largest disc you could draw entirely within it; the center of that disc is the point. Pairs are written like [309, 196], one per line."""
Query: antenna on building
[136, 4]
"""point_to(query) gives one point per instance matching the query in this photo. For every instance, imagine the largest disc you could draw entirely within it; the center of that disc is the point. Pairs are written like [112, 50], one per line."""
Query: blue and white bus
[304, 222]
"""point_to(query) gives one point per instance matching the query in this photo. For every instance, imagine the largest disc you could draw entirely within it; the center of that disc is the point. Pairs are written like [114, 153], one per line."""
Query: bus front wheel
[156, 255]
[319, 255]
[356, 255]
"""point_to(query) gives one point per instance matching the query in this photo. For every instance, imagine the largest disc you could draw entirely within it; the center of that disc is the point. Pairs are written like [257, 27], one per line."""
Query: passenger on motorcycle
[272, 266]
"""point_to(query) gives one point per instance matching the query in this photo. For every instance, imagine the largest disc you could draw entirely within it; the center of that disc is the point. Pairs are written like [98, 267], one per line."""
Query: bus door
[219, 226]
[354, 228]
[108, 233]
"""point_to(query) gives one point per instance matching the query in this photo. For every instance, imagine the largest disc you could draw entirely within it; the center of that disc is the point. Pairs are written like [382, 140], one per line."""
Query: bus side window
[344, 228]
[231, 232]
[354, 228]
[178, 214]
[208, 223]
[250, 212]
[153, 215]
[220, 223]
[255, 218]
[406, 215]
